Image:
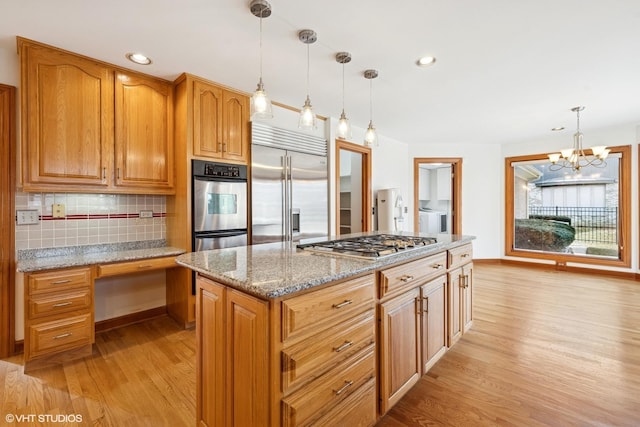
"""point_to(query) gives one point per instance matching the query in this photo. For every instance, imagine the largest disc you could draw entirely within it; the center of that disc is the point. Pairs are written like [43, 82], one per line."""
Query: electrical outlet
[146, 214]
[57, 210]
[27, 216]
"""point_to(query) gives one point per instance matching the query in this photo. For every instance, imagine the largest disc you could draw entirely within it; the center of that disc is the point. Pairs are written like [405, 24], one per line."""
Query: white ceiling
[506, 70]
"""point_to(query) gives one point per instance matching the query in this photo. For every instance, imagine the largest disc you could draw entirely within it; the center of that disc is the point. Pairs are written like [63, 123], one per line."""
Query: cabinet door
[210, 363]
[144, 132]
[235, 133]
[67, 119]
[207, 120]
[434, 321]
[455, 298]
[400, 347]
[467, 291]
[247, 361]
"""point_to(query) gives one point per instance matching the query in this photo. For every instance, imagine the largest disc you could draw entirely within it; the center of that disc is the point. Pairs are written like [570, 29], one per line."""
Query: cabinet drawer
[59, 280]
[460, 255]
[311, 358]
[357, 410]
[54, 303]
[413, 273]
[136, 266]
[315, 399]
[60, 335]
[308, 313]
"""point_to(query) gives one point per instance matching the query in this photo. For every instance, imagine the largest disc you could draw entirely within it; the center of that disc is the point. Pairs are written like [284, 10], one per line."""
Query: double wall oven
[219, 205]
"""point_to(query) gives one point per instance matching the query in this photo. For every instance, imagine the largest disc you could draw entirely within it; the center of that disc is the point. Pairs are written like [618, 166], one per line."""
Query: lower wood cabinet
[232, 363]
[58, 314]
[412, 338]
[305, 360]
[460, 295]
[434, 321]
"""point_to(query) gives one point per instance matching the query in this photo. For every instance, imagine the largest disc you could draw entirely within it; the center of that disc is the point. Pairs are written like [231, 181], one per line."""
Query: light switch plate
[27, 216]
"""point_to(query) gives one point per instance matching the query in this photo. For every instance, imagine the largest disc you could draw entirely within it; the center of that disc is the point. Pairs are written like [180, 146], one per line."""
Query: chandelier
[575, 158]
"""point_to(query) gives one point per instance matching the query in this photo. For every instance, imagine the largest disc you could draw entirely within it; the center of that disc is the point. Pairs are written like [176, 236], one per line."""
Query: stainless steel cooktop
[369, 247]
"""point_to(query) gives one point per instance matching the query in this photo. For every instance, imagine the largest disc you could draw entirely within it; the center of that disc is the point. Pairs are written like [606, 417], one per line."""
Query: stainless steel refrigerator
[289, 191]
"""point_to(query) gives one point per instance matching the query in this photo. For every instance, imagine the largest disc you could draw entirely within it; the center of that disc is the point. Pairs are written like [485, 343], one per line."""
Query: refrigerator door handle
[290, 200]
[285, 204]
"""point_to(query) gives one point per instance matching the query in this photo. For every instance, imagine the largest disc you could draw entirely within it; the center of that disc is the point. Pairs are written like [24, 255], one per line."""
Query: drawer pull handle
[145, 266]
[405, 278]
[437, 266]
[63, 304]
[343, 303]
[61, 282]
[464, 255]
[57, 337]
[346, 345]
[346, 385]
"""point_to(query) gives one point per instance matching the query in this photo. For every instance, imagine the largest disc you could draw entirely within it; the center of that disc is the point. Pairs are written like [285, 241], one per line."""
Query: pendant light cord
[307, 70]
[371, 100]
[261, 48]
[343, 86]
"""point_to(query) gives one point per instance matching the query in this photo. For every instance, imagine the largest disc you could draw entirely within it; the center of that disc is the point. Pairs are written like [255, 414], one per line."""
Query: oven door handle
[214, 234]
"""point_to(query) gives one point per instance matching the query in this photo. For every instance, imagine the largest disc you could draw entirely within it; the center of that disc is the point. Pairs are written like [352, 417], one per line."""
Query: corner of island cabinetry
[342, 351]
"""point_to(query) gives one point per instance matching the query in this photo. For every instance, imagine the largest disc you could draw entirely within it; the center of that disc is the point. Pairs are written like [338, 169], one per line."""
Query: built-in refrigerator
[289, 185]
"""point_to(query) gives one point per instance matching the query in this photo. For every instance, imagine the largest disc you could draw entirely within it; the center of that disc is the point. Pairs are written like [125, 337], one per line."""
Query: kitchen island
[291, 337]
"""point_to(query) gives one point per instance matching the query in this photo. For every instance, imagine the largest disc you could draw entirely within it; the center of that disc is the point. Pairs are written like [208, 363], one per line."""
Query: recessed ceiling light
[425, 61]
[138, 58]
[557, 128]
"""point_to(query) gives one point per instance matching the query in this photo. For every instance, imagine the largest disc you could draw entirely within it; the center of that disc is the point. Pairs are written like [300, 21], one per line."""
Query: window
[569, 216]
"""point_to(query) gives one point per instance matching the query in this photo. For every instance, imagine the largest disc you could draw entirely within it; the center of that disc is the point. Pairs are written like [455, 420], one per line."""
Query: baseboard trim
[572, 269]
[128, 319]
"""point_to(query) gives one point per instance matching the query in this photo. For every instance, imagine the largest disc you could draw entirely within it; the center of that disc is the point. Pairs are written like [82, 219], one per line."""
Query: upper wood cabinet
[83, 129]
[143, 131]
[220, 120]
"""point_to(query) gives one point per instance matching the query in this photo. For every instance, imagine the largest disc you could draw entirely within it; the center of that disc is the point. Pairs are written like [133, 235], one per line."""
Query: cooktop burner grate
[375, 246]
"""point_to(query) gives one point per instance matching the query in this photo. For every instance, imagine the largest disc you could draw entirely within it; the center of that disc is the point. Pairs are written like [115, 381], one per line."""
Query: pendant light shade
[260, 102]
[344, 127]
[307, 116]
[371, 136]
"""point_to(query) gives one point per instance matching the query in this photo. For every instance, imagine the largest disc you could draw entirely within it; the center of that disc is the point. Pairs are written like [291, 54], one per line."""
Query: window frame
[624, 208]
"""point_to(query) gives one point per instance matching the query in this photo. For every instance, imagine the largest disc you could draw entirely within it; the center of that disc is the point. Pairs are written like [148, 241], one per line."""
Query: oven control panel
[220, 170]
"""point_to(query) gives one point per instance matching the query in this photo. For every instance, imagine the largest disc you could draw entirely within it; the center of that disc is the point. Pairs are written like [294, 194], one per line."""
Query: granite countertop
[274, 270]
[75, 256]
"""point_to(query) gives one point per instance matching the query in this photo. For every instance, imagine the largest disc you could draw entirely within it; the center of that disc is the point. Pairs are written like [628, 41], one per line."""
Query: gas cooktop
[369, 247]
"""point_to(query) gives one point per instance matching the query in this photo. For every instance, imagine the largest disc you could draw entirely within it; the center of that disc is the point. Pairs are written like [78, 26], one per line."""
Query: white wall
[482, 183]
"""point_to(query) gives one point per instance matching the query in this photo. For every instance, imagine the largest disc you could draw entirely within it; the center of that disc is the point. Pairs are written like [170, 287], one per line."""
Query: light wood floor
[546, 349]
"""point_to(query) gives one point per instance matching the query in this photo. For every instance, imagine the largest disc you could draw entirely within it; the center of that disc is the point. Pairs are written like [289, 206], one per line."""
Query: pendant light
[307, 116]
[260, 102]
[344, 128]
[575, 158]
[370, 136]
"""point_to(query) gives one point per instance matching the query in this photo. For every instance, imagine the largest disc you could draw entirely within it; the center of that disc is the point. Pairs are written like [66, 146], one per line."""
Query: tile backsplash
[90, 219]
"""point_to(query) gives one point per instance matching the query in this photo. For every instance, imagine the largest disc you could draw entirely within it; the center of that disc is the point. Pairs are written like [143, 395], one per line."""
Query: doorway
[437, 195]
[7, 218]
[353, 188]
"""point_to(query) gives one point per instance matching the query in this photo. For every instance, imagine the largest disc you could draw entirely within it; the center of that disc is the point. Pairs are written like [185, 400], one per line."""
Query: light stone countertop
[76, 256]
[274, 270]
